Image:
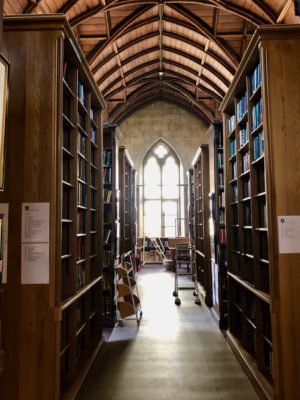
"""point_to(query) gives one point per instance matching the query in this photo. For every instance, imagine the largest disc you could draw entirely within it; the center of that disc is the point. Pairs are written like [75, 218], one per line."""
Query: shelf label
[289, 234]
[3, 241]
[35, 222]
[35, 263]
[35, 243]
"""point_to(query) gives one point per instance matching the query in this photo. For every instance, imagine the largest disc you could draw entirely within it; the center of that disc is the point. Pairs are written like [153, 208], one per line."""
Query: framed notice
[4, 68]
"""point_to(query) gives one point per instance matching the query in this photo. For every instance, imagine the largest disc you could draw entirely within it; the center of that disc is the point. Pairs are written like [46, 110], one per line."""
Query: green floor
[177, 353]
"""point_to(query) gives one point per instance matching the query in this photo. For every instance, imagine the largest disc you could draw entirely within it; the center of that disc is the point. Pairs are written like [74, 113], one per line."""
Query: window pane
[152, 219]
[161, 151]
[170, 179]
[170, 216]
[152, 179]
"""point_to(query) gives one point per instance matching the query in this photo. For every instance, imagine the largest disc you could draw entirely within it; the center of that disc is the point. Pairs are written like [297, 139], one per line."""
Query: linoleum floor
[177, 352]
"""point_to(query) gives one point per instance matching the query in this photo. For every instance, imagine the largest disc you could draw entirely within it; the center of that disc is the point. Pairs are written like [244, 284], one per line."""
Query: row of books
[81, 221]
[246, 188]
[242, 107]
[247, 214]
[93, 177]
[81, 144]
[220, 179]
[222, 216]
[81, 169]
[220, 160]
[232, 145]
[244, 135]
[107, 157]
[80, 248]
[93, 135]
[231, 123]
[107, 257]
[107, 193]
[81, 120]
[258, 145]
[81, 194]
[257, 114]
[256, 78]
[234, 193]
[222, 199]
[222, 235]
[246, 161]
[93, 199]
[234, 170]
[107, 174]
[80, 92]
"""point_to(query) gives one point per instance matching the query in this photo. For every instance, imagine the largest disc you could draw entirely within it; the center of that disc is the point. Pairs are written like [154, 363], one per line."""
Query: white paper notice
[4, 236]
[289, 234]
[35, 263]
[35, 243]
[35, 222]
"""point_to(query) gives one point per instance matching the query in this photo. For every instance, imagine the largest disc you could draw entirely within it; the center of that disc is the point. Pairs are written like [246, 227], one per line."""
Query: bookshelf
[111, 242]
[54, 160]
[202, 242]
[217, 224]
[127, 203]
[261, 132]
[191, 205]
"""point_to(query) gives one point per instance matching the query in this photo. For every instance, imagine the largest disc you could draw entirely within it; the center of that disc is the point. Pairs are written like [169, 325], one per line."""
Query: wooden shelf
[60, 176]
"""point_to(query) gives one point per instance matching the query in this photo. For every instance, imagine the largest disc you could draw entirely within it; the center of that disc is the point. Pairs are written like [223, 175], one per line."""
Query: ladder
[159, 247]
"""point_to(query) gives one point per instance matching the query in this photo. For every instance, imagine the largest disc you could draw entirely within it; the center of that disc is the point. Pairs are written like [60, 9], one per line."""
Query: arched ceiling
[184, 52]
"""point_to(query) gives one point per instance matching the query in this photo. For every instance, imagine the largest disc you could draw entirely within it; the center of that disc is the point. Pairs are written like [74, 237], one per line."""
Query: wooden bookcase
[53, 326]
[201, 235]
[191, 205]
[111, 223]
[217, 224]
[127, 193]
[262, 152]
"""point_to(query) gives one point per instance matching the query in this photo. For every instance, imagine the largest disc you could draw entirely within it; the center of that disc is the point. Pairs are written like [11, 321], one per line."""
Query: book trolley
[128, 302]
[185, 265]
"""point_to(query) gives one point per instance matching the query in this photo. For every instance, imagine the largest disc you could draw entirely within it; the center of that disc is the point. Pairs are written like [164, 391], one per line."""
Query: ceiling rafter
[221, 4]
[126, 46]
[67, 6]
[117, 31]
[164, 97]
[233, 9]
[135, 96]
[30, 6]
[147, 64]
[215, 21]
[167, 61]
[284, 11]
[215, 92]
[207, 31]
[107, 23]
[171, 35]
[161, 27]
[120, 68]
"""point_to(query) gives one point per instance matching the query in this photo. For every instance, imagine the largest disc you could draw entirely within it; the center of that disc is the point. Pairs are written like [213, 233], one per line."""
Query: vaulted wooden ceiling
[185, 52]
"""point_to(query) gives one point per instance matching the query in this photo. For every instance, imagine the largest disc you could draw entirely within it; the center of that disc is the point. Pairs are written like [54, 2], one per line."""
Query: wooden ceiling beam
[30, 6]
[133, 42]
[148, 76]
[117, 31]
[207, 31]
[215, 21]
[107, 23]
[162, 92]
[266, 9]
[161, 13]
[127, 61]
[67, 6]
[163, 96]
[92, 37]
[284, 11]
[90, 12]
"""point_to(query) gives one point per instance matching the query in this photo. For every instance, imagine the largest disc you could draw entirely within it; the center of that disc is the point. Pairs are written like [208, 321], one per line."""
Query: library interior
[149, 199]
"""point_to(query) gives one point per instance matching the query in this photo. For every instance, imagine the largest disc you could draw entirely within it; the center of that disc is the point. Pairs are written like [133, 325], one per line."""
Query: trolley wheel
[198, 302]
[175, 294]
[177, 301]
[193, 278]
[120, 323]
[194, 293]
